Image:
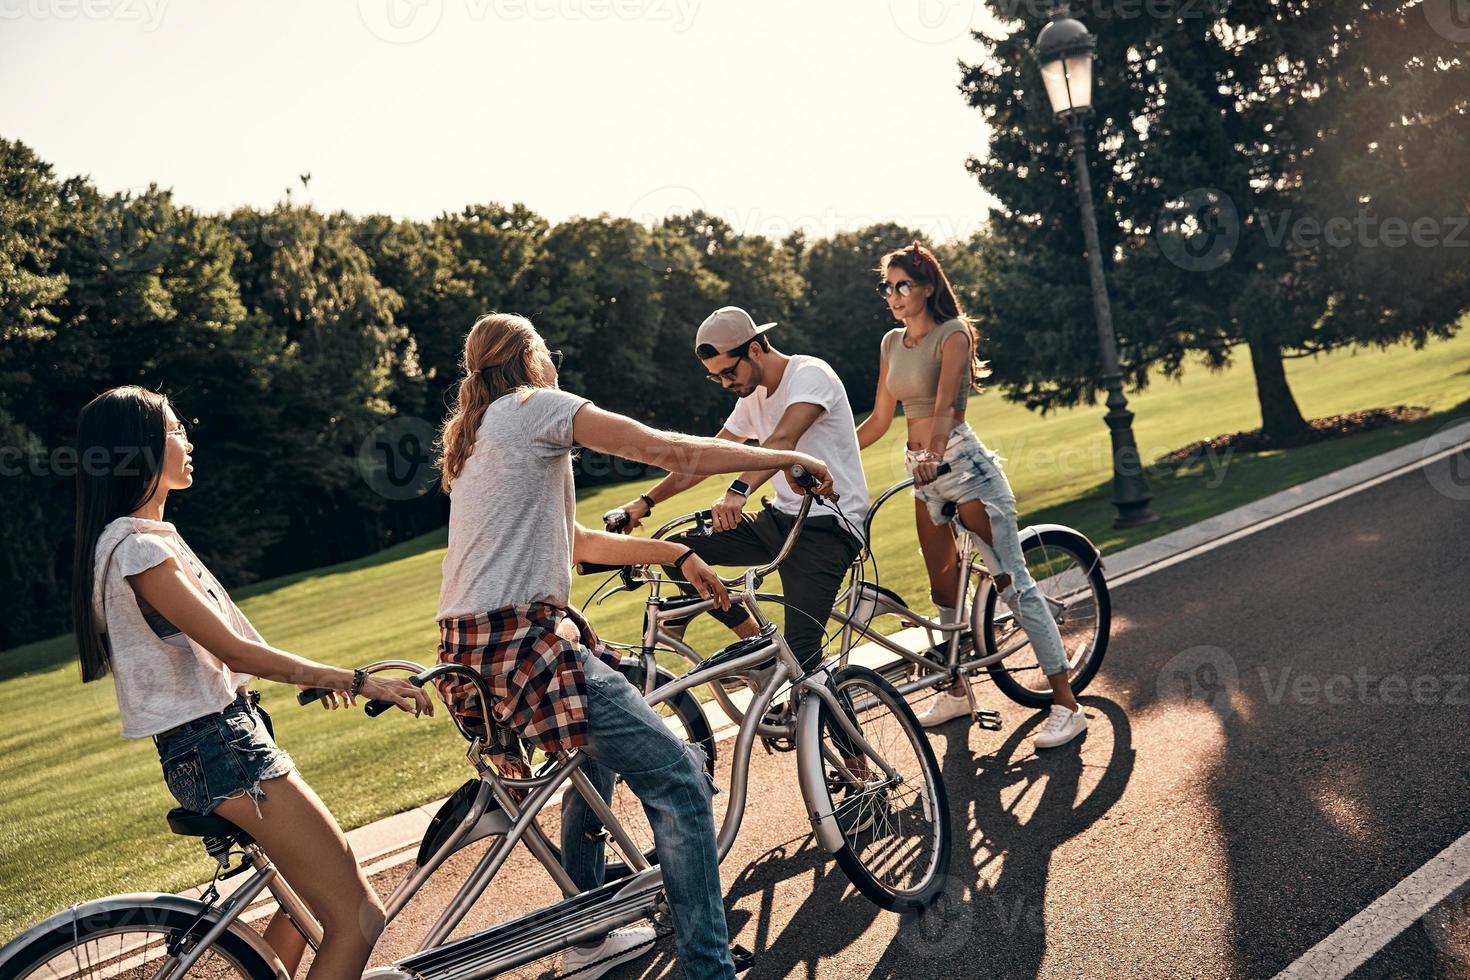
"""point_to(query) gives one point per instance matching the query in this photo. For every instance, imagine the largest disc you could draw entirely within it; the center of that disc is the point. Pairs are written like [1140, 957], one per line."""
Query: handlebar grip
[312, 694]
[593, 568]
[374, 708]
[616, 521]
[943, 469]
[808, 482]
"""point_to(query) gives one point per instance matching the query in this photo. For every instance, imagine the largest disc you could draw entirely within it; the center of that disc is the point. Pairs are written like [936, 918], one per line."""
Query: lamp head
[1064, 51]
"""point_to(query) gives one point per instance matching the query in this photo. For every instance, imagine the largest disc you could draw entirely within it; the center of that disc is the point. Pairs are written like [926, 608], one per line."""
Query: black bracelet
[358, 676]
[679, 562]
[647, 500]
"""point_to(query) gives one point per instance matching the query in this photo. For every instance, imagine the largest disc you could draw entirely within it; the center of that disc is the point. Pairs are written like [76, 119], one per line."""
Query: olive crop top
[913, 373]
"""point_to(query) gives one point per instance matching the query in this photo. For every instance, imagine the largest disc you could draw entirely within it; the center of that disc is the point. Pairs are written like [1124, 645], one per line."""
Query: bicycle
[862, 799]
[1067, 567]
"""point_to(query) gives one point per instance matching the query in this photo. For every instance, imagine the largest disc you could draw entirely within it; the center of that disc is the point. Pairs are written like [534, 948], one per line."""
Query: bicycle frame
[619, 903]
[935, 672]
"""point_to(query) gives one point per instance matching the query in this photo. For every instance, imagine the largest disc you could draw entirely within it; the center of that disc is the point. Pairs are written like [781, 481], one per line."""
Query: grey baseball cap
[727, 329]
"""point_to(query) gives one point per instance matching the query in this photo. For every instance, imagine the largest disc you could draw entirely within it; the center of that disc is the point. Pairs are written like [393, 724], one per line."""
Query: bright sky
[820, 114]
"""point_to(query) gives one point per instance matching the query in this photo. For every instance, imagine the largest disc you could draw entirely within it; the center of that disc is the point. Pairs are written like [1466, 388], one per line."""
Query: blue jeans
[221, 756]
[667, 774]
[975, 474]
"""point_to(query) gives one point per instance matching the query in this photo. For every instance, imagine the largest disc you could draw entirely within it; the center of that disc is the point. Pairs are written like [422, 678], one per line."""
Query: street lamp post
[1064, 51]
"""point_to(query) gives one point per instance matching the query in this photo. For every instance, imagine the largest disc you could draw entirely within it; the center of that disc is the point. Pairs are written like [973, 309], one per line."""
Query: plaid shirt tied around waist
[538, 687]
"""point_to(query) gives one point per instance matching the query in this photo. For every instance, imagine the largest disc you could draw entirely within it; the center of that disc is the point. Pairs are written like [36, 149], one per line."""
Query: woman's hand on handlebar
[927, 470]
[815, 468]
[332, 700]
[399, 691]
[705, 581]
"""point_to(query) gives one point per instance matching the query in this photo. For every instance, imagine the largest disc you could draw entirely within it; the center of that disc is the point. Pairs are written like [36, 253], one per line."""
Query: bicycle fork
[811, 756]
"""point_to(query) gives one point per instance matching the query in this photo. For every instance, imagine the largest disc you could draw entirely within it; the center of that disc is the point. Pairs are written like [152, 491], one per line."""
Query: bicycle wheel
[685, 717]
[895, 830]
[128, 940]
[1071, 579]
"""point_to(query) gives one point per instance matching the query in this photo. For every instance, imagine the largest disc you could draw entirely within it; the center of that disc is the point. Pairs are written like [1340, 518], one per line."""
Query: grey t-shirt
[513, 508]
[161, 682]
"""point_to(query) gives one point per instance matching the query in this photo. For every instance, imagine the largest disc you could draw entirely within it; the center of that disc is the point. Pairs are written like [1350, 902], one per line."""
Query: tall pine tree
[1226, 136]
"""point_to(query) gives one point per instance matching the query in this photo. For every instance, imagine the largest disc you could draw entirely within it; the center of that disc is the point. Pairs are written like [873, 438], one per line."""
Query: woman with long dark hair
[181, 653]
[930, 364]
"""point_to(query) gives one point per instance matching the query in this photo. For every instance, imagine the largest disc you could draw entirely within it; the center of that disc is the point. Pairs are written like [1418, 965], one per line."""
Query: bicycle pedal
[744, 958]
[988, 719]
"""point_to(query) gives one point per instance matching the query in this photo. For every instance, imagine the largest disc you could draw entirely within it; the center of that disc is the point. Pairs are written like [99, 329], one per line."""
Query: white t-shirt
[513, 508]
[161, 682]
[832, 438]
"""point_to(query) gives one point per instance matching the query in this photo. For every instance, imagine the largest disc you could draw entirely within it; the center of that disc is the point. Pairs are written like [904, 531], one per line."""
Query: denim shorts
[221, 756]
[974, 474]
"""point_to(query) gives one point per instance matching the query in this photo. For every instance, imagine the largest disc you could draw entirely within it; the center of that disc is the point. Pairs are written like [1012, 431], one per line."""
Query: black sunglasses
[556, 358]
[728, 374]
[705, 351]
[885, 289]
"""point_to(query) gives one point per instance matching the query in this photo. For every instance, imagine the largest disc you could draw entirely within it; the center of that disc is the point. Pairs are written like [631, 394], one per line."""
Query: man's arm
[797, 418]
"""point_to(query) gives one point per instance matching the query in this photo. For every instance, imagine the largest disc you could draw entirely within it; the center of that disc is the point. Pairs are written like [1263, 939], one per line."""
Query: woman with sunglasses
[181, 653]
[929, 364]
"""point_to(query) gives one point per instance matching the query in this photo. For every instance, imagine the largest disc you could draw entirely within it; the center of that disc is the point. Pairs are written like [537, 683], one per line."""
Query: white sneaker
[1061, 727]
[945, 707]
[619, 947]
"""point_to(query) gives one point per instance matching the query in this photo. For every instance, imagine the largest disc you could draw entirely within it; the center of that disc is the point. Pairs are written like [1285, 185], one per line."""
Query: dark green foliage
[1291, 114]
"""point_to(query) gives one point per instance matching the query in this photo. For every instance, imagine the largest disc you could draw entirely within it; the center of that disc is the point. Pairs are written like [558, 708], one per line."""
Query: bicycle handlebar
[373, 708]
[617, 520]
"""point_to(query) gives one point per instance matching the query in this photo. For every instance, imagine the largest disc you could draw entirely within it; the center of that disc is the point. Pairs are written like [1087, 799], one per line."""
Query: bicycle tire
[75, 928]
[1047, 546]
[864, 843]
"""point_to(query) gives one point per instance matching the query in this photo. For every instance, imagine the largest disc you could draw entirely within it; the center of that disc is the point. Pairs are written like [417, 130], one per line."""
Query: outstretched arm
[618, 549]
[617, 435]
[793, 425]
[167, 589]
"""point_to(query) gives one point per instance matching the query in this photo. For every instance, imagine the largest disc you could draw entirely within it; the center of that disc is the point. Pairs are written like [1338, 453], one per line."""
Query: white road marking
[1360, 938]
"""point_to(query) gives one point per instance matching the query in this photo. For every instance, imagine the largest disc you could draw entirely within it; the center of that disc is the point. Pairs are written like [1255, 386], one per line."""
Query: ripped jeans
[625, 736]
[975, 474]
[220, 756]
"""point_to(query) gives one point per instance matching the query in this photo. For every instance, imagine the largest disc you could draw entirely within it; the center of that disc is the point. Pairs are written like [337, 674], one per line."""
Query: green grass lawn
[81, 815]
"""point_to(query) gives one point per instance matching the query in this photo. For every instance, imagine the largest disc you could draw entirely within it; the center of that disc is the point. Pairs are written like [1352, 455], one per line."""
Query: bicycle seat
[187, 823]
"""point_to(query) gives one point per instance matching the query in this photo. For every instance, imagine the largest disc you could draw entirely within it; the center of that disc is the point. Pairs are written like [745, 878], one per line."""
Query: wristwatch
[740, 487]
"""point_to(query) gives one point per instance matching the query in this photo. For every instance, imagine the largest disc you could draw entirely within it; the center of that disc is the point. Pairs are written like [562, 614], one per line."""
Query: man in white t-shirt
[786, 402]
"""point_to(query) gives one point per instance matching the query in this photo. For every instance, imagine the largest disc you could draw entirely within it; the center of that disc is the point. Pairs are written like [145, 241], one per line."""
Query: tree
[333, 351]
[1214, 126]
[31, 211]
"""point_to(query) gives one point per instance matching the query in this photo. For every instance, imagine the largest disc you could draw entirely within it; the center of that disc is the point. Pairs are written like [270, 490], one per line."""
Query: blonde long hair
[501, 356]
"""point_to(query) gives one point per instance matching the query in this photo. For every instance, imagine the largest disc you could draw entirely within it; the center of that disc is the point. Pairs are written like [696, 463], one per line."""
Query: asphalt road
[1277, 738]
